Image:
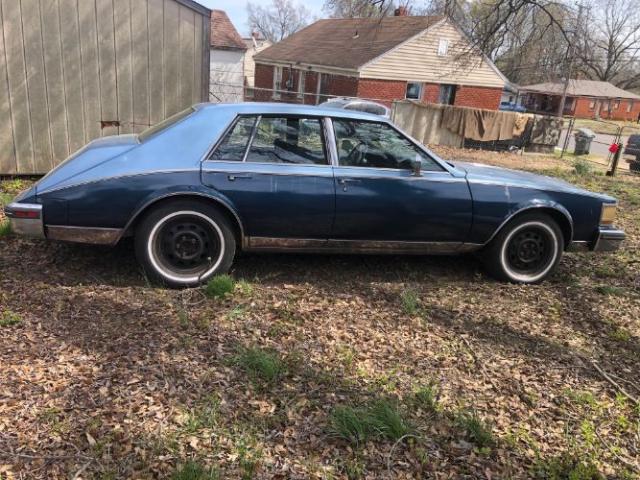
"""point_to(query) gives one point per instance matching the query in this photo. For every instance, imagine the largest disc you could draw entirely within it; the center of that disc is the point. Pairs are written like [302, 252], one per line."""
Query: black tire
[526, 250]
[183, 243]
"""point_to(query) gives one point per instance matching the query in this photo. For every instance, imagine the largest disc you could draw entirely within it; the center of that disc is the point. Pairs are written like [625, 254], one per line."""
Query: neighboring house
[585, 99]
[226, 59]
[72, 71]
[381, 59]
[255, 45]
[511, 94]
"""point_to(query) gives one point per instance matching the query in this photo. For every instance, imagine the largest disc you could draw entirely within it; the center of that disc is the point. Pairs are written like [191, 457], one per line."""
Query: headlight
[608, 214]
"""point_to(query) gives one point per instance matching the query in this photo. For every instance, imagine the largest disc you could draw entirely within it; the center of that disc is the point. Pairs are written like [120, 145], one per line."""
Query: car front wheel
[184, 243]
[527, 250]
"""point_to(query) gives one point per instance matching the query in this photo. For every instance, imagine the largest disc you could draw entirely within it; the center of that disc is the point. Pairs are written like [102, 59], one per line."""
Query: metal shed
[72, 71]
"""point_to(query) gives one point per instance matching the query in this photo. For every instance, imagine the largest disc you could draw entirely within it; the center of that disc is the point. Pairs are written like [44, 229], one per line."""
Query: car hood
[90, 156]
[481, 173]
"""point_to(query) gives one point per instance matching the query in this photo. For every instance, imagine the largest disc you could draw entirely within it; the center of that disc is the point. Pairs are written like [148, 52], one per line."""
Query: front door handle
[234, 177]
[345, 181]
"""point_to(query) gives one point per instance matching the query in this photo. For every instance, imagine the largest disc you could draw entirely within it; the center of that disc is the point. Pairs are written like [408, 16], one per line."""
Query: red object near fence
[614, 147]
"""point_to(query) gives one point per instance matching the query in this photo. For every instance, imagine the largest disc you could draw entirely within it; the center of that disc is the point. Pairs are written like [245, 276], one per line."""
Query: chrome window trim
[252, 137]
[330, 138]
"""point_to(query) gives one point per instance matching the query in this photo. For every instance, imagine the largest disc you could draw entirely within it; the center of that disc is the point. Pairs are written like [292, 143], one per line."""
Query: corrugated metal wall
[75, 70]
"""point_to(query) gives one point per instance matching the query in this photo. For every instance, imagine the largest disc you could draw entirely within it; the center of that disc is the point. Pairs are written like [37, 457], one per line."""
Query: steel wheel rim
[530, 251]
[186, 246]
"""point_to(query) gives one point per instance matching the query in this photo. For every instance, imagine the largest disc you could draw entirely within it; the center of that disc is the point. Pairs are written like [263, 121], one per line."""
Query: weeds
[8, 319]
[410, 302]
[194, 471]
[427, 397]
[475, 429]
[220, 286]
[262, 366]
[380, 419]
[5, 228]
[567, 467]
[610, 290]
[582, 167]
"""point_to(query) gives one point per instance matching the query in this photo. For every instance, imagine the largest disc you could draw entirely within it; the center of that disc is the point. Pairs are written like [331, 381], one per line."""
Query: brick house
[382, 59]
[585, 99]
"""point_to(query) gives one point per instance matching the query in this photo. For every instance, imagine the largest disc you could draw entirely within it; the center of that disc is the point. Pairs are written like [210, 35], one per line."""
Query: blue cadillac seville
[216, 179]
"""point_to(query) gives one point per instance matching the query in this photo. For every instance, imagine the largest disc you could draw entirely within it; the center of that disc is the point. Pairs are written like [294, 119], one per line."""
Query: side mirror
[416, 168]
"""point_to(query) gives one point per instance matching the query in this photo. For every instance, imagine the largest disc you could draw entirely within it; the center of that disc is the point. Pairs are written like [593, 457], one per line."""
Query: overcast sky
[237, 10]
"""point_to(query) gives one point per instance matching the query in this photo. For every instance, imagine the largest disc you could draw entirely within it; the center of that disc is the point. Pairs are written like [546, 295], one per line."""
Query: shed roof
[581, 88]
[223, 34]
[346, 43]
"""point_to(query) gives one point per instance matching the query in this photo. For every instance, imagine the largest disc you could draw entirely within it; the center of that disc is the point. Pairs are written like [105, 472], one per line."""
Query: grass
[5, 228]
[220, 286]
[5, 199]
[194, 471]
[582, 167]
[608, 127]
[620, 335]
[8, 319]
[427, 397]
[610, 290]
[410, 302]
[379, 419]
[566, 467]
[476, 429]
[262, 366]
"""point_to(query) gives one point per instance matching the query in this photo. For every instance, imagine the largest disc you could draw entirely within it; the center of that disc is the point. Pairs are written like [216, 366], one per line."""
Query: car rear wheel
[527, 250]
[184, 243]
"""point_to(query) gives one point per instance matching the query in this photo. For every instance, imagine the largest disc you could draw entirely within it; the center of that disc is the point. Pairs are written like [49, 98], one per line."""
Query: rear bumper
[606, 240]
[26, 219]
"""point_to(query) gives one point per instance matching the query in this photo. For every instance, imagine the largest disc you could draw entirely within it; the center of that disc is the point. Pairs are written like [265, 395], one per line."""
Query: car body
[633, 148]
[512, 107]
[358, 105]
[216, 179]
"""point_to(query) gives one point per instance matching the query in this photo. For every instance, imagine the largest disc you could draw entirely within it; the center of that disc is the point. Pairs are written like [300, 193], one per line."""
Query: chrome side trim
[532, 207]
[29, 227]
[314, 245]
[183, 194]
[92, 235]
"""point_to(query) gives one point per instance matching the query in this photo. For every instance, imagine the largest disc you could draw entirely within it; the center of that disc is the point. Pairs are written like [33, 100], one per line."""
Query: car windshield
[172, 120]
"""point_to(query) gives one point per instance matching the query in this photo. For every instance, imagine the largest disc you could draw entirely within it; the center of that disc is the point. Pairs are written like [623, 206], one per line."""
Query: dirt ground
[105, 376]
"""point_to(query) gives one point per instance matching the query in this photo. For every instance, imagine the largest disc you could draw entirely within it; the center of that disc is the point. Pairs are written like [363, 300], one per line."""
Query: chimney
[401, 12]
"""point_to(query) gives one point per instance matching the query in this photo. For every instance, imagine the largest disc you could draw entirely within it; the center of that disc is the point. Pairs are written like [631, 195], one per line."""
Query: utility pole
[572, 55]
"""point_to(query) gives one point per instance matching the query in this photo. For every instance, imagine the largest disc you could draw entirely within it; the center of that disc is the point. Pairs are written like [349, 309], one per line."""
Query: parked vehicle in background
[216, 179]
[633, 148]
[358, 105]
[512, 107]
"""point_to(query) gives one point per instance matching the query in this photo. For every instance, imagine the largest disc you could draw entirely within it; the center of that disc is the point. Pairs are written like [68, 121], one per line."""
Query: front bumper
[26, 219]
[606, 240]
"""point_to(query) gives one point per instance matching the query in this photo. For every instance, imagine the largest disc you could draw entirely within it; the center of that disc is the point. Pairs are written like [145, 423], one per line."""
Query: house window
[277, 82]
[301, 79]
[443, 47]
[414, 91]
[629, 106]
[616, 105]
[592, 104]
[447, 94]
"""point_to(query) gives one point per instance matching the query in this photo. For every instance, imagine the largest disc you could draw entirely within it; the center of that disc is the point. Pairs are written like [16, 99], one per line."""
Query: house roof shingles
[224, 35]
[346, 43]
[581, 88]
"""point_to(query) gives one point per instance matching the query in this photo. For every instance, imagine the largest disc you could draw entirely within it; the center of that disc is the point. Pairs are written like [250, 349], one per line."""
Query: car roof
[258, 108]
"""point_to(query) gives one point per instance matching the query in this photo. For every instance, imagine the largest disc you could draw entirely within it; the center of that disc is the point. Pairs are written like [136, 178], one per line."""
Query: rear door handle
[234, 177]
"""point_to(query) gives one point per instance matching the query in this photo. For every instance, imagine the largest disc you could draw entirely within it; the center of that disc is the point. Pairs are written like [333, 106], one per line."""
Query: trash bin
[583, 138]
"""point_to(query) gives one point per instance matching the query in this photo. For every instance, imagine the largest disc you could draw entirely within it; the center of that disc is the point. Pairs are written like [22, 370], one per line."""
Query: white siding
[418, 60]
[227, 76]
[249, 64]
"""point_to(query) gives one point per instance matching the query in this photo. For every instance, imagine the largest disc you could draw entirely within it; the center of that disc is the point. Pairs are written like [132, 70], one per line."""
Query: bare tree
[278, 20]
[370, 8]
[610, 49]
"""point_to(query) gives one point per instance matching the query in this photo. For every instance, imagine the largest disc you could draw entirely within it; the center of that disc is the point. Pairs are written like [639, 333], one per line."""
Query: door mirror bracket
[416, 168]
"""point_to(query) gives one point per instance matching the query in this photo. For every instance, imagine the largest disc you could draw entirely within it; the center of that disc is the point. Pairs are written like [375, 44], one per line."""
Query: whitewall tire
[183, 243]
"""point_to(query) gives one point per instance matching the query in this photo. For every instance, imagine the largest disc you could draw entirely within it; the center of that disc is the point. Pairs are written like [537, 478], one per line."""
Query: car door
[276, 173]
[379, 196]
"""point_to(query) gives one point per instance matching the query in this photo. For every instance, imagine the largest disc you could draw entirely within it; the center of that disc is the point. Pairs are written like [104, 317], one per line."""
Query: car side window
[291, 140]
[234, 145]
[377, 145]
